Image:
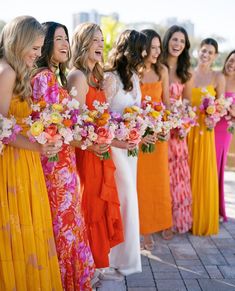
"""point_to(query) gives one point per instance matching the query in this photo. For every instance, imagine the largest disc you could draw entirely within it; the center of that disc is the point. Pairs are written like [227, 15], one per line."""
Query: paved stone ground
[188, 262]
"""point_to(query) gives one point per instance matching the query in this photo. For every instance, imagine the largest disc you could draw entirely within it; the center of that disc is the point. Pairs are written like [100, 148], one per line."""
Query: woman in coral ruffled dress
[100, 203]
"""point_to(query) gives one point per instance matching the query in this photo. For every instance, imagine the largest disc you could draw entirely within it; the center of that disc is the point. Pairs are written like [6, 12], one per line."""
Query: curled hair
[16, 40]
[225, 62]
[126, 56]
[45, 60]
[81, 42]
[210, 41]
[150, 35]
[183, 63]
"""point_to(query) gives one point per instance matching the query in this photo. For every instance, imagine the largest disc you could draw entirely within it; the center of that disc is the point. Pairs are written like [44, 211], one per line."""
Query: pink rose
[104, 135]
[134, 136]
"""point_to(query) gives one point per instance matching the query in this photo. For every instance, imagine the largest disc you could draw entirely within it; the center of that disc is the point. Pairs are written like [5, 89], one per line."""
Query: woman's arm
[78, 81]
[187, 92]
[219, 84]
[165, 86]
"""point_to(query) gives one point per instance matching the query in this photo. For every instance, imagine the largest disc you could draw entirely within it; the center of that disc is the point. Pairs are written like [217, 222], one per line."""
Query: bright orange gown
[153, 182]
[100, 201]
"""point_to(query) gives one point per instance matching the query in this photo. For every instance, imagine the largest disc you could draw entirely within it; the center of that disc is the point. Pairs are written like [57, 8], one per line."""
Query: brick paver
[188, 263]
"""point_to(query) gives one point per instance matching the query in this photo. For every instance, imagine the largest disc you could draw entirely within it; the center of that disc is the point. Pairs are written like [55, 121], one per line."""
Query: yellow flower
[93, 113]
[135, 108]
[56, 118]
[36, 128]
[128, 110]
[192, 114]
[155, 114]
[210, 109]
[57, 107]
[89, 119]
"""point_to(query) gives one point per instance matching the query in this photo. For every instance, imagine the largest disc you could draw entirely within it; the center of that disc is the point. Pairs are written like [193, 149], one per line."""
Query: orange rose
[158, 107]
[42, 104]
[101, 122]
[67, 122]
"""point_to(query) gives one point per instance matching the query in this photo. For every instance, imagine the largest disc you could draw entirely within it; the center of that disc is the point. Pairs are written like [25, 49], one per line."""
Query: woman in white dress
[122, 90]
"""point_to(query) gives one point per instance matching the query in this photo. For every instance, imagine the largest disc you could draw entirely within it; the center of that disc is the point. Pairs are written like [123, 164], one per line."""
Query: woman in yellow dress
[28, 259]
[201, 144]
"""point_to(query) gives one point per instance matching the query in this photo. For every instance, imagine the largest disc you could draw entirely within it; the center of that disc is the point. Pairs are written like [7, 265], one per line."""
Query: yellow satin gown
[204, 179]
[28, 259]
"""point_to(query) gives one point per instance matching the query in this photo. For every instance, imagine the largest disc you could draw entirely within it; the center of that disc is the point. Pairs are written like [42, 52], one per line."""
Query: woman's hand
[232, 110]
[75, 143]
[50, 149]
[163, 137]
[149, 139]
[126, 145]
[99, 149]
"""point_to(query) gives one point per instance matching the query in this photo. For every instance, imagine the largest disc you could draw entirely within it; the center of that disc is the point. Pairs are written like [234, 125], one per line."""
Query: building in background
[187, 24]
[91, 16]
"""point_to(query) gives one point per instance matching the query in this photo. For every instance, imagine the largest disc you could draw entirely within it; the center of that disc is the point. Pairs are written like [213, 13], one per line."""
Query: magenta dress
[222, 142]
[179, 175]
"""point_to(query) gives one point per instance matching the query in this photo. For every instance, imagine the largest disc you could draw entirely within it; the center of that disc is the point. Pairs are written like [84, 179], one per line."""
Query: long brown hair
[150, 35]
[81, 43]
[16, 40]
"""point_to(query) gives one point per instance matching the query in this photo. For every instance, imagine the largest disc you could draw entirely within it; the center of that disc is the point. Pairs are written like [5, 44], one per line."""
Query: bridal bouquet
[152, 113]
[95, 127]
[186, 116]
[230, 117]
[208, 109]
[53, 122]
[8, 131]
[130, 126]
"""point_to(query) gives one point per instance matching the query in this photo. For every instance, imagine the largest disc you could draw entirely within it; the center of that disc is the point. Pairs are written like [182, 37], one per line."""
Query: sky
[211, 17]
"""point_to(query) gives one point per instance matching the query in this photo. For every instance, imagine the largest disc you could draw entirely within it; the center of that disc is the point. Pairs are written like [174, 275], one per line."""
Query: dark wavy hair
[183, 64]
[126, 56]
[45, 59]
[229, 55]
[210, 41]
[150, 35]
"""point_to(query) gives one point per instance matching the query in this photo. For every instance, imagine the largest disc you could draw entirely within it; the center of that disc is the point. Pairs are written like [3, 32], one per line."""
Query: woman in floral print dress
[75, 259]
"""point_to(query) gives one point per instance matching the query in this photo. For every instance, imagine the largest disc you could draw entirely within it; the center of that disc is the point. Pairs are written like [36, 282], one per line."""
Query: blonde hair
[16, 39]
[81, 43]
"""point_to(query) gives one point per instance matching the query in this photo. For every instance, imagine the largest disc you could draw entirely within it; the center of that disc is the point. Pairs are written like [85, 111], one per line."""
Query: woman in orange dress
[100, 202]
[153, 182]
[28, 259]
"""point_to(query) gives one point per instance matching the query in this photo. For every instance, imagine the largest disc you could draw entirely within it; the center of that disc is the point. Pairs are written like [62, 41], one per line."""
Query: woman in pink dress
[73, 250]
[222, 136]
[176, 57]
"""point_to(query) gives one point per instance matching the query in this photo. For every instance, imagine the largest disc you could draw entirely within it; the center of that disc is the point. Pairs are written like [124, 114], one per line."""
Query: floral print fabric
[75, 258]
